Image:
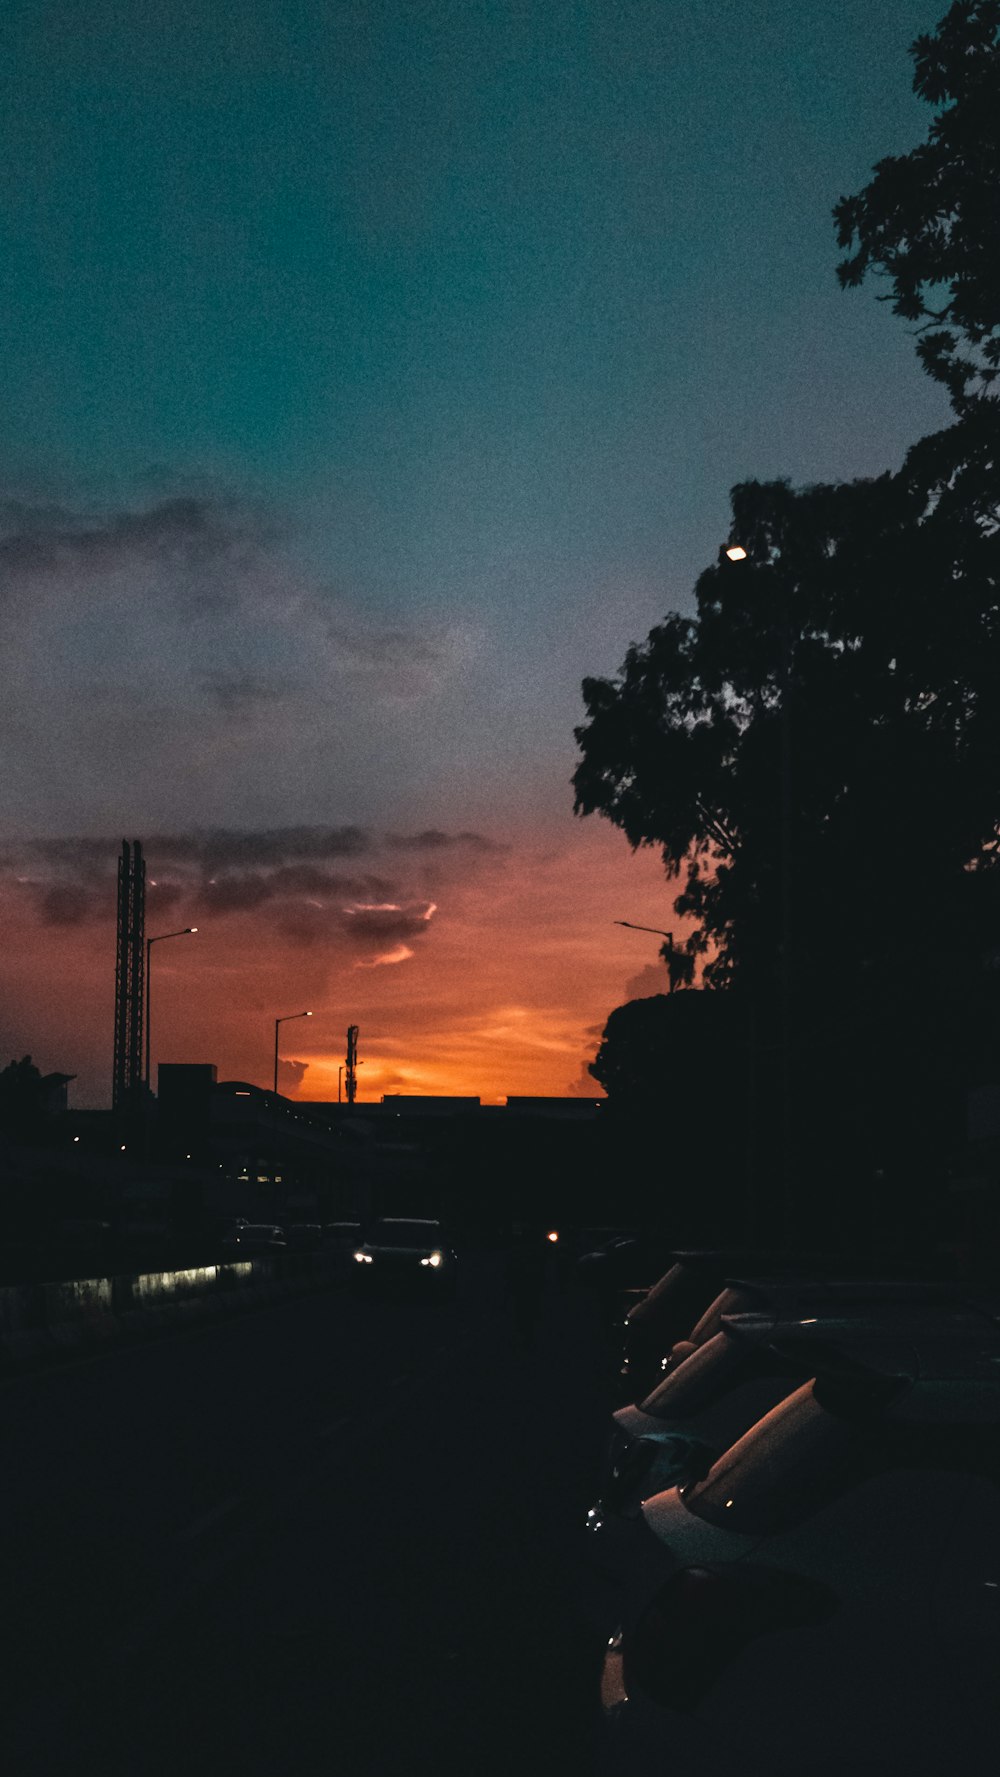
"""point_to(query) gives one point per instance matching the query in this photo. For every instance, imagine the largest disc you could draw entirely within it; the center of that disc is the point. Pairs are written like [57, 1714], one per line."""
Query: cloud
[651, 980]
[41, 541]
[388, 925]
[186, 652]
[300, 879]
[65, 904]
[291, 1075]
[433, 840]
[401, 954]
[242, 694]
[584, 1085]
[403, 663]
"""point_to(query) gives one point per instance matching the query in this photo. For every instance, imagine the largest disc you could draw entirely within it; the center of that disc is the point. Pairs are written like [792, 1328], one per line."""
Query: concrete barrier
[43, 1322]
[24, 1337]
[80, 1313]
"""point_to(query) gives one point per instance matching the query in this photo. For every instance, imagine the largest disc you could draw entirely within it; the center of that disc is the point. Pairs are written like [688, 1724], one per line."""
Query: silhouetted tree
[928, 219]
[681, 1068]
[862, 633]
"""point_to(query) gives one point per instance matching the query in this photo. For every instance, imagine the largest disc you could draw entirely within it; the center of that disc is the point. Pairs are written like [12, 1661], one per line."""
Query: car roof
[784, 1291]
[929, 1343]
[405, 1222]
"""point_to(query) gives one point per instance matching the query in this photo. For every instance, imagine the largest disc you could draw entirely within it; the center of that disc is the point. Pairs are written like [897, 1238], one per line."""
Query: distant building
[577, 1110]
[413, 1104]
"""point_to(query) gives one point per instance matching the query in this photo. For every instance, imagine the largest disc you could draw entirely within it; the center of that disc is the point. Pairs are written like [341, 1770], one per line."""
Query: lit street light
[285, 1020]
[187, 931]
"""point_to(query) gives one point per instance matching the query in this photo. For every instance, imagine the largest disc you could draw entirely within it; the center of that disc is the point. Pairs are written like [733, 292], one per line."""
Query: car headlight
[363, 1258]
[434, 1259]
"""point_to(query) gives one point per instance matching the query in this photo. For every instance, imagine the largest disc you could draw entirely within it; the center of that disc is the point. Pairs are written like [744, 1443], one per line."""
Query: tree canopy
[866, 618]
[816, 752]
[929, 221]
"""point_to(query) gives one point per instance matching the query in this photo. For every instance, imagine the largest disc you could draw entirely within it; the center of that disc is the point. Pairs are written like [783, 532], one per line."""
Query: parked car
[668, 1311]
[304, 1236]
[246, 1238]
[339, 1241]
[731, 1375]
[827, 1597]
[342, 1234]
[400, 1251]
[656, 1338]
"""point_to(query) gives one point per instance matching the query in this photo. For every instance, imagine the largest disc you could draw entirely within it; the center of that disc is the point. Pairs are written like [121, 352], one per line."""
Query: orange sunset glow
[509, 968]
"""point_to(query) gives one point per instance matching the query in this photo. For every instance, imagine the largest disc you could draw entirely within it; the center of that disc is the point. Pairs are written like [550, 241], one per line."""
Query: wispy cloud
[184, 652]
[343, 888]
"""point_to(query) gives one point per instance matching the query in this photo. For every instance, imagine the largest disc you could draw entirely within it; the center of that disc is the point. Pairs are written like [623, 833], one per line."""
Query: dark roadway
[329, 1534]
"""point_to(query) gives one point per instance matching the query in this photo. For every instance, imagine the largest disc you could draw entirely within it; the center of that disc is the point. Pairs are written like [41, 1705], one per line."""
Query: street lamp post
[187, 931]
[786, 649]
[285, 1020]
[659, 933]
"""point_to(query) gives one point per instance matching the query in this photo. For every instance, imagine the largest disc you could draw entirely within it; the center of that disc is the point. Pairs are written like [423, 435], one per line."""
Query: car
[618, 1267]
[304, 1236]
[406, 1251]
[731, 1375]
[667, 1312]
[341, 1234]
[246, 1238]
[339, 1241]
[826, 1598]
[686, 1306]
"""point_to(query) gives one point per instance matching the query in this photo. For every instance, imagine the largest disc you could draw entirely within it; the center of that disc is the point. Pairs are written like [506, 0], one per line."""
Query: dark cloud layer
[433, 840]
[187, 531]
[297, 874]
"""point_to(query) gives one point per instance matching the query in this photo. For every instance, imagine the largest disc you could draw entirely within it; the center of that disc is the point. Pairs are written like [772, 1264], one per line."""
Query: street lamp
[187, 932]
[659, 933]
[285, 1020]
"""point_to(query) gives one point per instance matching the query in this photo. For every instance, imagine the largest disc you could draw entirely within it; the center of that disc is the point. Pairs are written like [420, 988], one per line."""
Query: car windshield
[792, 1462]
[698, 1380]
[400, 1233]
[733, 1300]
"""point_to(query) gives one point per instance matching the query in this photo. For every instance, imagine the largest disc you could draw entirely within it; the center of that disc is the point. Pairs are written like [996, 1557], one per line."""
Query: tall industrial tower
[130, 977]
[351, 1076]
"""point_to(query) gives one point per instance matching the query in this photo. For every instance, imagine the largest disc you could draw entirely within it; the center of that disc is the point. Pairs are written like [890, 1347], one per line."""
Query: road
[334, 1533]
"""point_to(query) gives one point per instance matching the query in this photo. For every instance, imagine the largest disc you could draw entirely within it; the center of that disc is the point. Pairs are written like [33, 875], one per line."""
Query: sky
[374, 371]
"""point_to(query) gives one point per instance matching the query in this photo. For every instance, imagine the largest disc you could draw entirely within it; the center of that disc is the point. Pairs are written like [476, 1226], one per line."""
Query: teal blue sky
[488, 303]
[373, 370]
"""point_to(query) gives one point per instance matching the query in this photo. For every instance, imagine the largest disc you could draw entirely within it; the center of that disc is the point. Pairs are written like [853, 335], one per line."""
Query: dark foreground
[331, 1535]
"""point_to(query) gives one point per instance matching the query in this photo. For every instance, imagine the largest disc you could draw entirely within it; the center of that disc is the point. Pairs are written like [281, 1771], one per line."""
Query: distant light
[736, 552]
[76, 1138]
[122, 1150]
[552, 1235]
[192, 928]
